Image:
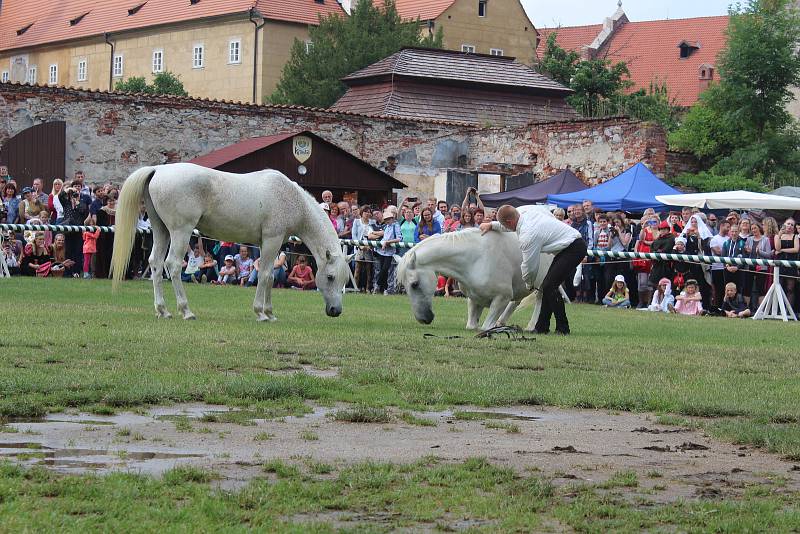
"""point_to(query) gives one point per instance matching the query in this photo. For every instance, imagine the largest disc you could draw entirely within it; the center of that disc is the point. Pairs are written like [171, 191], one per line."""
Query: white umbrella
[732, 200]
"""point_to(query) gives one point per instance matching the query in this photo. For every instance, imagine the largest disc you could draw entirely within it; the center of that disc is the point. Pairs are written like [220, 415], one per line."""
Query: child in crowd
[244, 265]
[733, 305]
[618, 296]
[89, 250]
[227, 273]
[191, 264]
[689, 302]
[302, 277]
[663, 300]
[209, 267]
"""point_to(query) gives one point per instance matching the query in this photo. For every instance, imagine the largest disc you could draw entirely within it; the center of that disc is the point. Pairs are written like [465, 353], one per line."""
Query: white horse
[487, 269]
[263, 208]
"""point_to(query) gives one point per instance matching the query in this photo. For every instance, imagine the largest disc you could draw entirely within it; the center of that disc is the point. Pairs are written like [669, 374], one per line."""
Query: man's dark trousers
[563, 264]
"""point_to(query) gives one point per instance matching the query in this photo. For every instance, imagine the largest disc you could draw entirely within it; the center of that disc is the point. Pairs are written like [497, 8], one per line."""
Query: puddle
[318, 413]
[481, 414]
[192, 411]
[331, 372]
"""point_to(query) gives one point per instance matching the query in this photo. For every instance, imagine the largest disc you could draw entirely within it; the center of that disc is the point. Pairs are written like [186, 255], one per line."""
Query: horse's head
[332, 275]
[420, 285]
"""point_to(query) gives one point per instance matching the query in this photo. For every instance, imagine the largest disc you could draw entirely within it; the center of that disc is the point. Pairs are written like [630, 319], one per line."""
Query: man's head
[508, 216]
[3, 171]
[602, 220]
[478, 216]
[432, 203]
[724, 228]
[79, 177]
[577, 212]
[587, 206]
[327, 196]
[344, 209]
[442, 206]
[686, 213]
[377, 215]
[37, 185]
[100, 192]
[711, 220]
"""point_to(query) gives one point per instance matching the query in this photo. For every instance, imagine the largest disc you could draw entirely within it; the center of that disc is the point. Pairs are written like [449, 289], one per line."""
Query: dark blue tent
[563, 182]
[634, 191]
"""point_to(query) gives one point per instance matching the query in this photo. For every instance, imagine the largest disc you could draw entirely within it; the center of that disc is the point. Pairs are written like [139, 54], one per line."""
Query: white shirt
[193, 263]
[438, 217]
[718, 242]
[539, 231]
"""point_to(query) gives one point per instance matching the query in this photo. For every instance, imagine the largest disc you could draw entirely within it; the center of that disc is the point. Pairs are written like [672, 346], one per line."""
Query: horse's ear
[412, 261]
[328, 255]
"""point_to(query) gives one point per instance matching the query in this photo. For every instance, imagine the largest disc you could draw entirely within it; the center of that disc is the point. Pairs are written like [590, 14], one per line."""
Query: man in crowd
[327, 197]
[539, 232]
[588, 207]
[437, 215]
[711, 222]
[99, 201]
[80, 179]
[376, 229]
[716, 244]
[587, 291]
[4, 176]
[39, 193]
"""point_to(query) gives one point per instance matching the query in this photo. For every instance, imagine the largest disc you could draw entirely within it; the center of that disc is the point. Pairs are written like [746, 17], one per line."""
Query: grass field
[73, 344]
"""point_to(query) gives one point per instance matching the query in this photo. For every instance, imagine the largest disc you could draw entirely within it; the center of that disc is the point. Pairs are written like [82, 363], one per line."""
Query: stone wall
[681, 162]
[109, 135]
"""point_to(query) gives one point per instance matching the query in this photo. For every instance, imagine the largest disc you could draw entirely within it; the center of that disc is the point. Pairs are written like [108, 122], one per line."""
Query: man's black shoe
[541, 332]
[562, 332]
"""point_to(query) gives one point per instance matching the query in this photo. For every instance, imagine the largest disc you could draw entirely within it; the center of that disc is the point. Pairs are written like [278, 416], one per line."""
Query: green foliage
[706, 182]
[558, 63]
[164, 83]
[740, 126]
[342, 45]
[596, 81]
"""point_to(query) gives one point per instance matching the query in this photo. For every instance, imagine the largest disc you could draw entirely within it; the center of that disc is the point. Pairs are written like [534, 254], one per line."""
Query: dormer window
[706, 72]
[135, 9]
[687, 48]
[76, 20]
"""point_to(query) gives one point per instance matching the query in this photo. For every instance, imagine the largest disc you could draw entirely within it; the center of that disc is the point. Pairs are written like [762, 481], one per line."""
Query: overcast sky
[550, 13]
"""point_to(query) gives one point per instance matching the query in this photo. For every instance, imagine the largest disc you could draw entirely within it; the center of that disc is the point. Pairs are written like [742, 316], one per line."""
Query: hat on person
[324, 205]
[680, 239]
[228, 257]
[619, 278]
[664, 281]
[663, 224]
[26, 190]
[387, 213]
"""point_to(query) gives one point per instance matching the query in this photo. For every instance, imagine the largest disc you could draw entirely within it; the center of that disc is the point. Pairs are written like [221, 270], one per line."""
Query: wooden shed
[309, 160]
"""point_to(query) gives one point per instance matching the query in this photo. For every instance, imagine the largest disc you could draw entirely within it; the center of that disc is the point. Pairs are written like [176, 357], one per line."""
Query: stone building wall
[109, 135]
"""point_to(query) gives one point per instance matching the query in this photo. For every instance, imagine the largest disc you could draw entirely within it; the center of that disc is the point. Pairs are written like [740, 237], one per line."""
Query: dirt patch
[570, 446]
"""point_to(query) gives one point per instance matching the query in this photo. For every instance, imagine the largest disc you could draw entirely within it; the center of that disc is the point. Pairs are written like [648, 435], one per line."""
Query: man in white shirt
[539, 232]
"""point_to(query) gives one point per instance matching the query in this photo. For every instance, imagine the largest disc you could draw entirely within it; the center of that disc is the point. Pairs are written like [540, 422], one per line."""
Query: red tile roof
[424, 9]
[651, 51]
[50, 19]
[454, 66]
[214, 159]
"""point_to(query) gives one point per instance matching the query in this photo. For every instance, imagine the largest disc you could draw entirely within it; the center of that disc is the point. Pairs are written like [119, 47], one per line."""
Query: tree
[597, 82]
[164, 83]
[342, 45]
[557, 62]
[741, 126]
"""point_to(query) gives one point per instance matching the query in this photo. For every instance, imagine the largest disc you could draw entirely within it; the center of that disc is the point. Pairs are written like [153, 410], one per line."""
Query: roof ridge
[579, 26]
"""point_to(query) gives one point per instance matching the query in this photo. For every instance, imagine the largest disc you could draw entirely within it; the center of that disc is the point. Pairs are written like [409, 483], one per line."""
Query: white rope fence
[775, 305]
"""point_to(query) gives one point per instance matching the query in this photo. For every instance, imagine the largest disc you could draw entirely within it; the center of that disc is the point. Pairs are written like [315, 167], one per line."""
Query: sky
[551, 13]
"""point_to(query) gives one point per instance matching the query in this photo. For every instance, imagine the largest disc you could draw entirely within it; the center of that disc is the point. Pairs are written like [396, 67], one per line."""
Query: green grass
[362, 414]
[510, 428]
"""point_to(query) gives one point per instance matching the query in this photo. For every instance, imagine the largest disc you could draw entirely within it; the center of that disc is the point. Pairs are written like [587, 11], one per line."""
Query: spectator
[98, 202]
[736, 247]
[10, 204]
[712, 223]
[11, 254]
[787, 247]
[417, 210]
[346, 220]
[58, 251]
[681, 268]
[30, 207]
[618, 296]
[560, 214]
[442, 207]
[590, 288]
[472, 199]
[675, 224]
[364, 259]
[467, 219]
[327, 197]
[4, 176]
[698, 237]
[336, 219]
[143, 243]
[279, 277]
[733, 305]
[437, 215]
[79, 183]
[89, 250]
[385, 254]
[647, 235]
[105, 216]
[427, 226]
[588, 206]
[690, 301]
[302, 277]
[208, 267]
[663, 300]
[664, 243]
[408, 228]
[244, 264]
[717, 245]
[760, 247]
[36, 259]
[686, 213]
[454, 222]
[478, 216]
[190, 269]
[227, 273]
[53, 204]
[38, 192]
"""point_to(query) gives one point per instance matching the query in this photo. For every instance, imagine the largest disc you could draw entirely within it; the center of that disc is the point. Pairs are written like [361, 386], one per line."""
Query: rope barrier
[663, 256]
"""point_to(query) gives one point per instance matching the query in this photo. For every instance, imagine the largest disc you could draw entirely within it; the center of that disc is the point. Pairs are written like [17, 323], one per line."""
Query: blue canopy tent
[563, 182]
[634, 191]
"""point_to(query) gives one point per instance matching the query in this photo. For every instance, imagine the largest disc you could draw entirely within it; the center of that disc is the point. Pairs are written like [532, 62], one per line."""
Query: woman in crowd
[559, 214]
[337, 222]
[467, 219]
[53, 204]
[58, 251]
[453, 222]
[663, 299]
[75, 212]
[787, 246]
[760, 248]
[408, 228]
[105, 243]
[648, 233]
[698, 238]
[364, 258]
[10, 203]
[427, 226]
[36, 258]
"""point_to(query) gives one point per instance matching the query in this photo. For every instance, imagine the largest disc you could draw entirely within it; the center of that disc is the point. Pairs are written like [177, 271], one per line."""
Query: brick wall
[109, 135]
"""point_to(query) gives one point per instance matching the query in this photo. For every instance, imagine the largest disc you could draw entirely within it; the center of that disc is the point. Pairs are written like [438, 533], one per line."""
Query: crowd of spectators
[666, 286]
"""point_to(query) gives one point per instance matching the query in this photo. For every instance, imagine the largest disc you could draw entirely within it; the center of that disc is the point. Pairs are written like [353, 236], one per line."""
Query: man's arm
[531, 250]
[493, 226]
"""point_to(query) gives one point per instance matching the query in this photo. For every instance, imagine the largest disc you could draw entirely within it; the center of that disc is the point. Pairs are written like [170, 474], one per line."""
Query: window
[496, 51]
[481, 8]
[468, 48]
[158, 61]
[197, 56]
[235, 51]
[31, 74]
[4, 76]
[309, 46]
[118, 64]
[53, 77]
[82, 70]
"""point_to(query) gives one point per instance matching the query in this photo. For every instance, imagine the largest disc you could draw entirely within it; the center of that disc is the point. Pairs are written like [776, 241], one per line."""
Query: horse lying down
[487, 269]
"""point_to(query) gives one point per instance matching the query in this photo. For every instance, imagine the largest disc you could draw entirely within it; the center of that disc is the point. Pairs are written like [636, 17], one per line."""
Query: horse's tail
[127, 215]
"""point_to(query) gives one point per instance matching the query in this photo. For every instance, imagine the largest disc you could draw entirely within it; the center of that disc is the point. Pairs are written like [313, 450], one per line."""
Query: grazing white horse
[263, 208]
[487, 269]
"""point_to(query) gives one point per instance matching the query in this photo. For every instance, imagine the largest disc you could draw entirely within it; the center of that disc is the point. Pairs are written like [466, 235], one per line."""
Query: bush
[705, 182]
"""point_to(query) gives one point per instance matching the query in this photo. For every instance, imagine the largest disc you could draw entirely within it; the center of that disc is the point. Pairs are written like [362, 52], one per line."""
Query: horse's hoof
[189, 317]
[164, 315]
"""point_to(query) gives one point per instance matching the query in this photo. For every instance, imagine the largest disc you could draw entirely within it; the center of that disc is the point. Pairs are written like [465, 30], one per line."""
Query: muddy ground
[568, 445]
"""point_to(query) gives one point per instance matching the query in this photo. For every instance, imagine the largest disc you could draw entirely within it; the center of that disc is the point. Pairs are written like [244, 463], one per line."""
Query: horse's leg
[497, 306]
[537, 309]
[179, 240]
[262, 304]
[509, 311]
[473, 314]
[157, 255]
